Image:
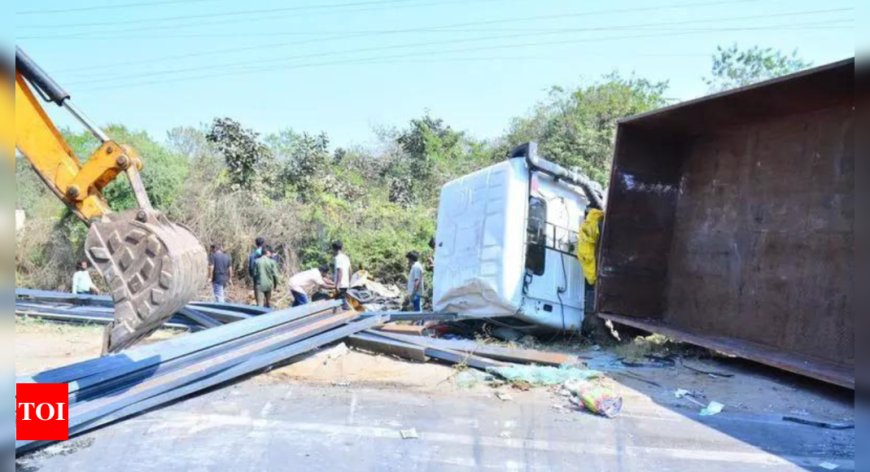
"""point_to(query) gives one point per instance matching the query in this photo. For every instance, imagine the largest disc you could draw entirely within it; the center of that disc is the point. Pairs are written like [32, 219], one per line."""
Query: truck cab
[506, 244]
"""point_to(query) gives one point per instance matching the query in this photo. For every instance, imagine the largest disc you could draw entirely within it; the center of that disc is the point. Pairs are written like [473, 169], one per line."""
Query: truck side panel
[734, 215]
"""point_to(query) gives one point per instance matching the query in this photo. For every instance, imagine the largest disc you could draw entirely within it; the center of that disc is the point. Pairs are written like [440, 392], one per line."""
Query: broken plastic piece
[595, 398]
[712, 408]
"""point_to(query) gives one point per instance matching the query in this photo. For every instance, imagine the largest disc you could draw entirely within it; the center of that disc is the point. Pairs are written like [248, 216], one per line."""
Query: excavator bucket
[152, 266]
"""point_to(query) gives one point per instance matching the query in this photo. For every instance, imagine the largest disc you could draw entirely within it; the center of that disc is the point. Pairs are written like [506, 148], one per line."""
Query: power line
[116, 6]
[381, 59]
[437, 43]
[449, 28]
[390, 3]
[125, 33]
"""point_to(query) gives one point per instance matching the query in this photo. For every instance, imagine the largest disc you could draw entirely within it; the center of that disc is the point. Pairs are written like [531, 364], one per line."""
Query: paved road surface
[256, 426]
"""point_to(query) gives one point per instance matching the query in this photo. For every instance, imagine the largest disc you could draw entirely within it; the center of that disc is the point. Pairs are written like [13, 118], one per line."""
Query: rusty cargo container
[730, 223]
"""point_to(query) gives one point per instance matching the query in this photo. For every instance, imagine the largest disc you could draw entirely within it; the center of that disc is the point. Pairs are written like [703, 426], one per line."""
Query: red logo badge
[41, 412]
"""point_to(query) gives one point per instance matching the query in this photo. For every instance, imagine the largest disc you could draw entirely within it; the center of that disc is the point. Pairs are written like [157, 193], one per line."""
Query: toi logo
[41, 412]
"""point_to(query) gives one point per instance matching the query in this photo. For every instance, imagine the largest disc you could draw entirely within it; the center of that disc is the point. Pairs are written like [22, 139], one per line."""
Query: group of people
[263, 273]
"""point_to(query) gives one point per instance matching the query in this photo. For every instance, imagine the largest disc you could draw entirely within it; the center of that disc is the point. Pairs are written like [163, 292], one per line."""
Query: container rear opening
[730, 223]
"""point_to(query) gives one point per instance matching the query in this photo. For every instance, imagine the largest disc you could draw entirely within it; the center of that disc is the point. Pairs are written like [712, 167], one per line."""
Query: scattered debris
[711, 373]
[652, 361]
[505, 397]
[828, 465]
[408, 433]
[470, 378]
[542, 375]
[595, 398]
[819, 423]
[689, 395]
[341, 383]
[712, 408]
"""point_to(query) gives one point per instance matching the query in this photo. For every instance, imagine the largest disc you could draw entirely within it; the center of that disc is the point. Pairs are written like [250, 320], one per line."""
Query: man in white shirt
[305, 283]
[81, 282]
[415, 281]
[342, 272]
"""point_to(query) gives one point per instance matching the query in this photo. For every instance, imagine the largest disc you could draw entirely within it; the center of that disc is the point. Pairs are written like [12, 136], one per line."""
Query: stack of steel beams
[113, 387]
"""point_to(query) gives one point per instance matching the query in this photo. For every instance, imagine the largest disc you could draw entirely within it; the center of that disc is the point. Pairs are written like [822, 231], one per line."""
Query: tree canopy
[734, 67]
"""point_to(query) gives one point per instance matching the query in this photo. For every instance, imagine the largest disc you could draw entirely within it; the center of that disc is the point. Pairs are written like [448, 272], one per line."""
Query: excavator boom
[152, 266]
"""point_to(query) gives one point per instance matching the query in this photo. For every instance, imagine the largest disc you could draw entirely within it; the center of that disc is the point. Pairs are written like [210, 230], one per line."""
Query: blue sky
[347, 67]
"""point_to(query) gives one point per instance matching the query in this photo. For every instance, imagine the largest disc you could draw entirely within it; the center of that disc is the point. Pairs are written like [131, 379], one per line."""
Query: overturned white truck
[506, 243]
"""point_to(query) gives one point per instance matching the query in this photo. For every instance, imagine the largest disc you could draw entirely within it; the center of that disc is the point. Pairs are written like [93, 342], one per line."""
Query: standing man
[221, 272]
[415, 280]
[81, 282]
[252, 261]
[303, 284]
[342, 272]
[265, 277]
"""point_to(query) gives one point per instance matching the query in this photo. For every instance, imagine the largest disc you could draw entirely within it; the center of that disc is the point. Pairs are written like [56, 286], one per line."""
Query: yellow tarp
[587, 243]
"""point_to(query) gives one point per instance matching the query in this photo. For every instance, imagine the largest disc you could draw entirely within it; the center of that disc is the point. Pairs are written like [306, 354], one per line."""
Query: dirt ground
[341, 365]
[42, 345]
[749, 388]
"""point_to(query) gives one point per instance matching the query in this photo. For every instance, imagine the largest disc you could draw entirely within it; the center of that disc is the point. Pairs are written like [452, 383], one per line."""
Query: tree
[302, 158]
[188, 141]
[429, 142]
[428, 151]
[245, 155]
[577, 128]
[733, 67]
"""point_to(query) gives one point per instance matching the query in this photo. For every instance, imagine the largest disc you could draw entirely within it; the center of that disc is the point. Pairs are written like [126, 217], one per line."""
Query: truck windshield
[536, 236]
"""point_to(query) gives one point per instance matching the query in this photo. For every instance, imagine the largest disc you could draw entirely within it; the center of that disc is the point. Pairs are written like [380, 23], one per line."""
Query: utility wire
[126, 30]
[374, 60]
[91, 69]
[223, 66]
[116, 6]
[235, 14]
[125, 33]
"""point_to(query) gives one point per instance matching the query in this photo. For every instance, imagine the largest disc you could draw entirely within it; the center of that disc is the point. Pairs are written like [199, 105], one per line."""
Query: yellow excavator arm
[153, 267]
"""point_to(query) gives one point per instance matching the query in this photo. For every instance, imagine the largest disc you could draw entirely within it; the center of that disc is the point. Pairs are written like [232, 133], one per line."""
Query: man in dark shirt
[252, 259]
[221, 273]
